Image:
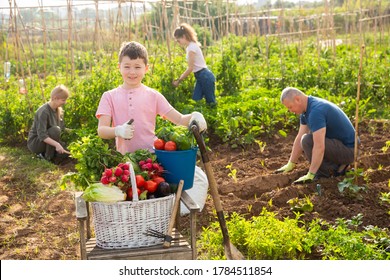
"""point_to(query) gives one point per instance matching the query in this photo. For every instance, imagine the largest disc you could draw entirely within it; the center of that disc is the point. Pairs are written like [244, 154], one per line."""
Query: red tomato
[139, 181]
[158, 179]
[130, 193]
[170, 146]
[150, 186]
[159, 144]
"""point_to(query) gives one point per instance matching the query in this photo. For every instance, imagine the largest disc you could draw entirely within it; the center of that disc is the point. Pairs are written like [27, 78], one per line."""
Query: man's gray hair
[289, 92]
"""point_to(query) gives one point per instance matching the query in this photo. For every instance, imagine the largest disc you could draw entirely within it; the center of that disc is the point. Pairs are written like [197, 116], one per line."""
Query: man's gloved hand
[199, 120]
[286, 168]
[305, 179]
[125, 130]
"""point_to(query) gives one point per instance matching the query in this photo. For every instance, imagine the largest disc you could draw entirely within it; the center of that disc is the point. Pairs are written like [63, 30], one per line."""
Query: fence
[101, 24]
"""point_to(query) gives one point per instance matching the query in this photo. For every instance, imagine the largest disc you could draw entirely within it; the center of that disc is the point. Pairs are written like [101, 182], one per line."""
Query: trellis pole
[176, 14]
[280, 30]
[318, 49]
[357, 109]
[44, 38]
[358, 95]
[167, 29]
[69, 57]
[96, 45]
[15, 32]
[25, 57]
[148, 32]
[161, 23]
[129, 25]
[118, 22]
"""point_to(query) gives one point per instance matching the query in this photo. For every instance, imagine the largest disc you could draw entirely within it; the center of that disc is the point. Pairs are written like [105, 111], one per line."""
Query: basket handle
[133, 182]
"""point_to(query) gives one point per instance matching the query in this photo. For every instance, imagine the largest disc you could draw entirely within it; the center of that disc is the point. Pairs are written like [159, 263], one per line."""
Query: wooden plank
[179, 250]
[81, 206]
[83, 251]
[188, 202]
[193, 233]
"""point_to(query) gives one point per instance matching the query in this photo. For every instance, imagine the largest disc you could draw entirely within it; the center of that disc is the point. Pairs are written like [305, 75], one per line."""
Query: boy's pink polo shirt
[142, 104]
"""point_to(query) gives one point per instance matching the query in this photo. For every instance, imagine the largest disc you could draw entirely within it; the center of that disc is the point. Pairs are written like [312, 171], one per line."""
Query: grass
[29, 176]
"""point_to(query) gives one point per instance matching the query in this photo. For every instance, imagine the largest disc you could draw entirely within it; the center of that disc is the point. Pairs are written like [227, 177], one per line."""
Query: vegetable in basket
[102, 193]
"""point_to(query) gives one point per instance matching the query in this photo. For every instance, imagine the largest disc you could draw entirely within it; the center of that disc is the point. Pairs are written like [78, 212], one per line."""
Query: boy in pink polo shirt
[134, 101]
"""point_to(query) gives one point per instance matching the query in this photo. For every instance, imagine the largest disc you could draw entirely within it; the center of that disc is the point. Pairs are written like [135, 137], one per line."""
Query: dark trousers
[336, 154]
[37, 146]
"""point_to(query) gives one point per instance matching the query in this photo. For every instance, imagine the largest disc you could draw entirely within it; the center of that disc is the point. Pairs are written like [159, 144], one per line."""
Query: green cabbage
[103, 193]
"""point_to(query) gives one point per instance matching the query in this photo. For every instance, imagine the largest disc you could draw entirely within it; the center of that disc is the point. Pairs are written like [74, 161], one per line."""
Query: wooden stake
[357, 108]
[44, 39]
[167, 29]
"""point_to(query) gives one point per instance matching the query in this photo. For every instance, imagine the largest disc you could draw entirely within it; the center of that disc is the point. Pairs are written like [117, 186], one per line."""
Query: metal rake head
[154, 233]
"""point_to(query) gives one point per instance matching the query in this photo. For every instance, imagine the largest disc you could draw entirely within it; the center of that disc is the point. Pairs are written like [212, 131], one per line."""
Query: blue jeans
[204, 86]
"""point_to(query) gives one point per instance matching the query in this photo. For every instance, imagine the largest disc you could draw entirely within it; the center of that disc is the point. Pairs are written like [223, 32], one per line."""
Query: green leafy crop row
[266, 237]
[251, 72]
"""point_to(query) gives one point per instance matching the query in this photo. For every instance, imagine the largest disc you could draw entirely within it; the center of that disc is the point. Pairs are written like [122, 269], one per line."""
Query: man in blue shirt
[326, 136]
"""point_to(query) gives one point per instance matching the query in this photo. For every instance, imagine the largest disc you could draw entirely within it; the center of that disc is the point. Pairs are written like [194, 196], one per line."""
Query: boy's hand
[198, 119]
[125, 131]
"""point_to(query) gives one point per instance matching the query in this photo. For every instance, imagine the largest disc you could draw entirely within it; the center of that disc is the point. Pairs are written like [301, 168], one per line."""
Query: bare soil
[257, 184]
[36, 227]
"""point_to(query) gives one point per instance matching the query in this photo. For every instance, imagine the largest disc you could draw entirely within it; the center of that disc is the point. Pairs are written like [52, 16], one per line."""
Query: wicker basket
[123, 224]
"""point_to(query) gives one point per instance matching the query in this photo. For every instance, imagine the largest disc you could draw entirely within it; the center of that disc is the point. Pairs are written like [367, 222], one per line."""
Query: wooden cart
[180, 249]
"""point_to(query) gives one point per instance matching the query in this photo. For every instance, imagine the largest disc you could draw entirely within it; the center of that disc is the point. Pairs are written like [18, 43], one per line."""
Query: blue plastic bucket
[178, 165]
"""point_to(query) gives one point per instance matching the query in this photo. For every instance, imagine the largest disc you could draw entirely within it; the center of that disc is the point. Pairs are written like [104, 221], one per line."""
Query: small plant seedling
[386, 147]
[301, 204]
[232, 173]
[348, 185]
[261, 145]
[385, 197]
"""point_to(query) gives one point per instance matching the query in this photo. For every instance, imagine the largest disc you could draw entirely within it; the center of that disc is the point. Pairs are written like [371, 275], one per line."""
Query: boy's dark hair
[133, 50]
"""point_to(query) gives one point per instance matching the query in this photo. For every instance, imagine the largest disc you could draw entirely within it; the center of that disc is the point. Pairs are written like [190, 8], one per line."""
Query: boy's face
[133, 71]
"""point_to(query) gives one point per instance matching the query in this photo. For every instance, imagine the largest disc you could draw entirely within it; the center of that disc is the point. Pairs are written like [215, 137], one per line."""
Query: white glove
[125, 131]
[199, 120]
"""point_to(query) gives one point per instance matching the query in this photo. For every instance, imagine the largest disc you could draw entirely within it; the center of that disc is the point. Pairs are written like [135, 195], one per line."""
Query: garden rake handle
[168, 236]
[213, 189]
[207, 166]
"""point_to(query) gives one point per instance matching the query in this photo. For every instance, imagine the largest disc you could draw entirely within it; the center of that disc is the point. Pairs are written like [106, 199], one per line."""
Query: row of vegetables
[116, 184]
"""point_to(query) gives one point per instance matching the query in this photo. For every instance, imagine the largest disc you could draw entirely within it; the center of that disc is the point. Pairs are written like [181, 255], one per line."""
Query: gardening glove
[286, 168]
[305, 179]
[198, 119]
[125, 130]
